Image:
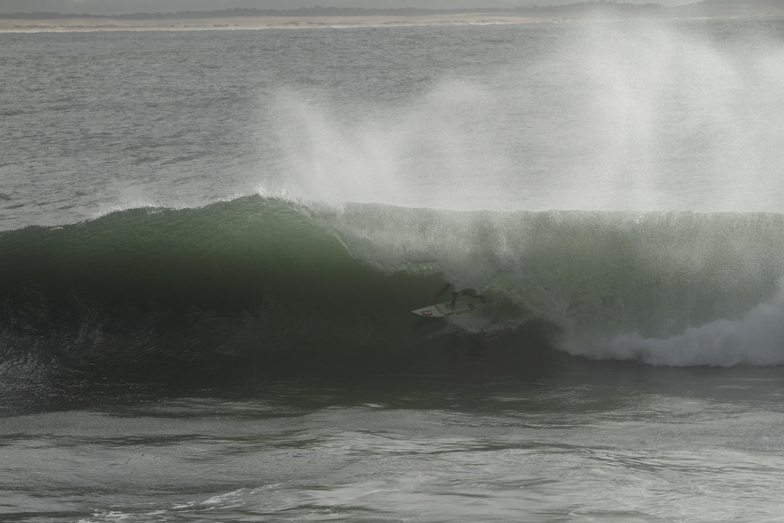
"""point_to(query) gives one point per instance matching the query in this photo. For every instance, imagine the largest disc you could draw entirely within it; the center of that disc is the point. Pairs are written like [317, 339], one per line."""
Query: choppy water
[212, 241]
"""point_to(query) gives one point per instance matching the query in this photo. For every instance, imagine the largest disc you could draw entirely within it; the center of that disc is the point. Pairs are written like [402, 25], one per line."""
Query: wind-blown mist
[605, 116]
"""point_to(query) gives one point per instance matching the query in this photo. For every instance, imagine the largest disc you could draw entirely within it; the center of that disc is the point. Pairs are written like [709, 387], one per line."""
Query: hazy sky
[158, 6]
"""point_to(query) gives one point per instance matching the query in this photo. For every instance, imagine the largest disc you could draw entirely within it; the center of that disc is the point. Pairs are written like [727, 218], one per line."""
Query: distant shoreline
[204, 24]
[253, 22]
[344, 17]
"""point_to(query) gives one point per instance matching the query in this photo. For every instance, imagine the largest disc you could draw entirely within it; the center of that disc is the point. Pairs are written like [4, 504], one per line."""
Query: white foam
[755, 339]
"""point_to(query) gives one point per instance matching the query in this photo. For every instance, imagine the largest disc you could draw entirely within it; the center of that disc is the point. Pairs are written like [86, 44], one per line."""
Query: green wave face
[256, 284]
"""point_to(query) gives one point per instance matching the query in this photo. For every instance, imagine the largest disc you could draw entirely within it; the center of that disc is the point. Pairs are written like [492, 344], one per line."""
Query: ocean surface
[211, 242]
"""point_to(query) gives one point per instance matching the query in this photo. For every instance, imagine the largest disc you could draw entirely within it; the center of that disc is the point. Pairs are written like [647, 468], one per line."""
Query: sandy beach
[256, 22]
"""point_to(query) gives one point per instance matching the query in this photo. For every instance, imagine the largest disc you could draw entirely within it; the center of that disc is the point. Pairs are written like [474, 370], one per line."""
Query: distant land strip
[239, 18]
[346, 11]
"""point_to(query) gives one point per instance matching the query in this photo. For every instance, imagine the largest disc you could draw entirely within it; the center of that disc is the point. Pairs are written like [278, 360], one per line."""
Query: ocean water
[211, 242]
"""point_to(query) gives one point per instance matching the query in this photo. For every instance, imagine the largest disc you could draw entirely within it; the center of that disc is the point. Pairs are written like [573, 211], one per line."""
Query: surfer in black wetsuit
[456, 293]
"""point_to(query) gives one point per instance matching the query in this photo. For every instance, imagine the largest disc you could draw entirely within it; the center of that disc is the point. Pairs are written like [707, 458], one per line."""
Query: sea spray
[633, 116]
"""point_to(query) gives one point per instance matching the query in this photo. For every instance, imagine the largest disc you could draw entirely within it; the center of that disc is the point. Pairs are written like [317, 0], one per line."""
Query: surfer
[456, 293]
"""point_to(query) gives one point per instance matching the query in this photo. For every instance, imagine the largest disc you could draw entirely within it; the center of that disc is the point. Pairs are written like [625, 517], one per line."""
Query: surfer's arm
[442, 291]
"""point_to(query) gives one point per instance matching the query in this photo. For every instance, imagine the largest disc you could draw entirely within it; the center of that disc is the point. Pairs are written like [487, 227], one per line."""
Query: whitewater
[211, 243]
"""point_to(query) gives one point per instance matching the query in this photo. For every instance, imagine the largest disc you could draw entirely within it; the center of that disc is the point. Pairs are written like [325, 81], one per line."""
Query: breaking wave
[259, 284]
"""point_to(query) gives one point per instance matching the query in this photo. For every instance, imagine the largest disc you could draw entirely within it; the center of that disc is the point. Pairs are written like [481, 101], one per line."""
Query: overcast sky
[162, 6]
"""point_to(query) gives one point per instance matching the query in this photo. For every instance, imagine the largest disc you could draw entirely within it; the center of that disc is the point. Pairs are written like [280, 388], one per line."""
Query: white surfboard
[445, 309]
